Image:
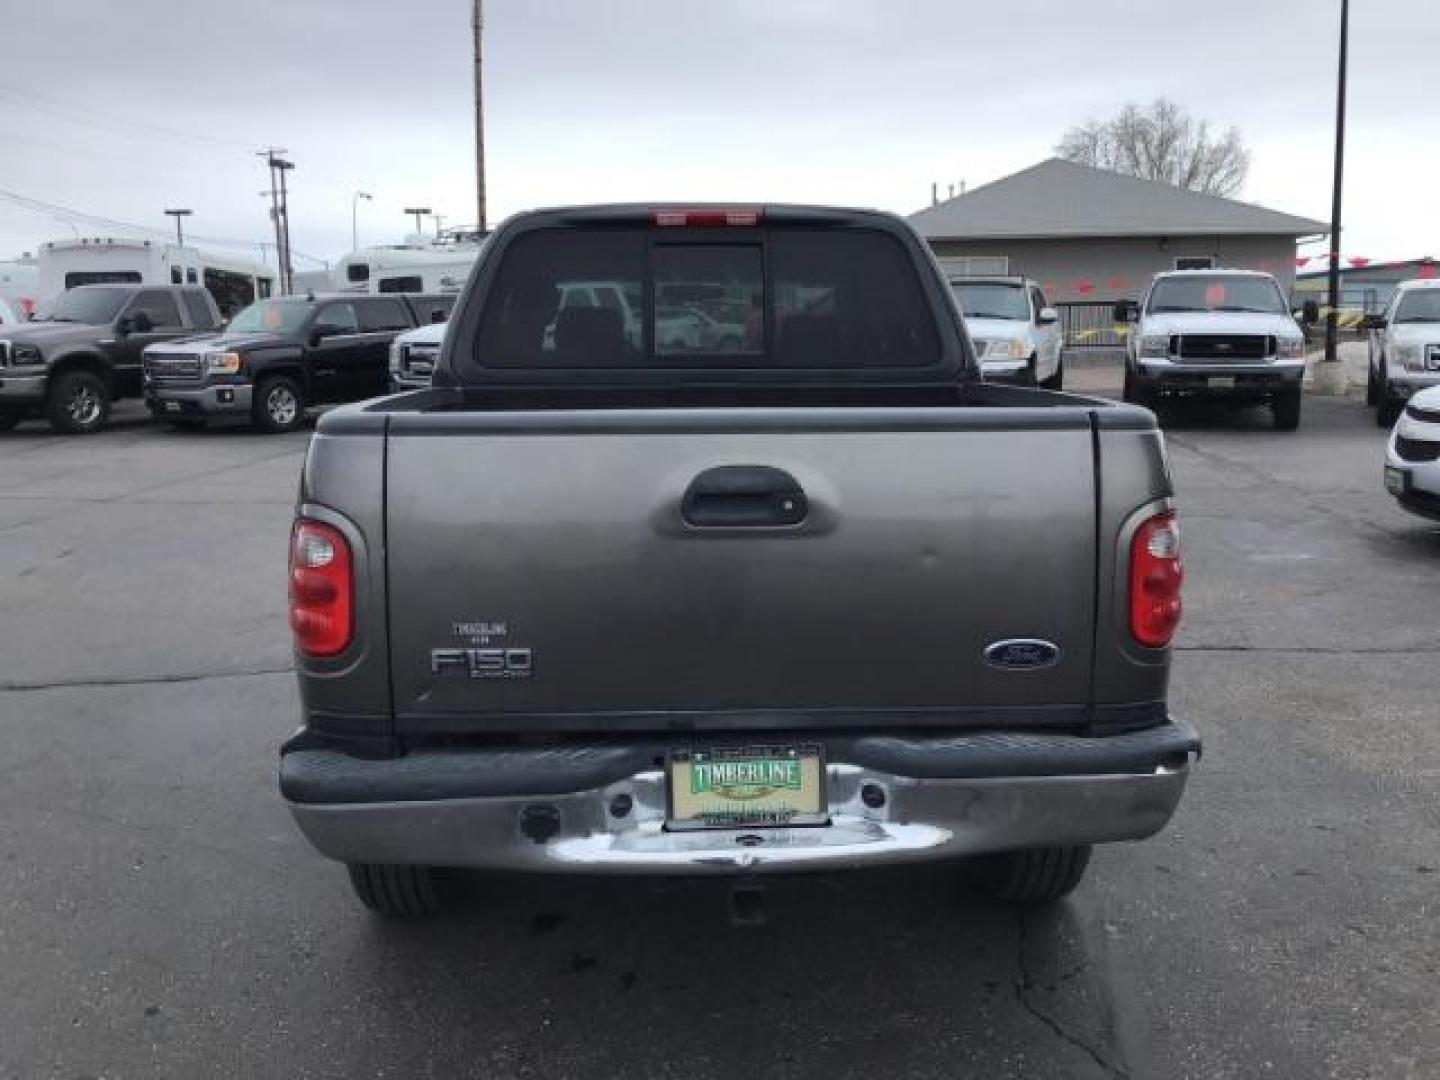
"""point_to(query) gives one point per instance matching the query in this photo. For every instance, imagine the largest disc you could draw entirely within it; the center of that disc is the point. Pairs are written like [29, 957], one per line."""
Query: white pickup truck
[1404, 348]
[1215, 333]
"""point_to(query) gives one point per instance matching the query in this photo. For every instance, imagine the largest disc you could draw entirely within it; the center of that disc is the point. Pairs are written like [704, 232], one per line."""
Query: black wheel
[1033, 876]
[8, 420]
[279, 405]
[1372, 388]
[1136, 392]
[1286, 409]
[1388, 411]
[397, 892]
[78, 404]
[1056, 381]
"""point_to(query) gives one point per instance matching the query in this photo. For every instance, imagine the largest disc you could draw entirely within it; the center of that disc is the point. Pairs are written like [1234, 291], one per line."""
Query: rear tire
[395, 891]
[1286, 410]
[1372, 389]
[279, 405]
[78, 404]
[1035, 875]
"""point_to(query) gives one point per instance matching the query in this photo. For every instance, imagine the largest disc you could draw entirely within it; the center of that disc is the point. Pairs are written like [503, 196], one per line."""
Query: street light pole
[354, 219]
[477, 25]
[418, 212]
[1331, 316]
[179, 232]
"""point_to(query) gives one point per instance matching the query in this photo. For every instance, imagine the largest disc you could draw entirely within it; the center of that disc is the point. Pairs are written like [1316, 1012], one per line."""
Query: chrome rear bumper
[921, 818]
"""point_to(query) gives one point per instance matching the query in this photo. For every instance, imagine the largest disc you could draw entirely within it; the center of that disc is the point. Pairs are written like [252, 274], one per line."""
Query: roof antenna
[934, 193]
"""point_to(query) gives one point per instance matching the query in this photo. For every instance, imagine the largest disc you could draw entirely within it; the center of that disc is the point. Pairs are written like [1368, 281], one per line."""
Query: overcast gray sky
[120, 109]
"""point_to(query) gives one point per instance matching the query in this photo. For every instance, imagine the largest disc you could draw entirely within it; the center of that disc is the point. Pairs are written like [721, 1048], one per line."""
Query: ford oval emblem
[1022, 654]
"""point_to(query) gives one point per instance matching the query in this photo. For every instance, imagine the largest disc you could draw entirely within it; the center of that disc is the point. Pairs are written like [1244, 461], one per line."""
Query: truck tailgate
[546, 572]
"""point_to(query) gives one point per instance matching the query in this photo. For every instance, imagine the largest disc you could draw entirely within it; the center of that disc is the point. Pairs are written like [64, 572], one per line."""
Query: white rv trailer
[418, 266]
[20, 284]
[234, 283]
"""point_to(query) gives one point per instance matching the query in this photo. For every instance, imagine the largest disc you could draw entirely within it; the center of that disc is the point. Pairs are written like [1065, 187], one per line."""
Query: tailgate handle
[744, 497]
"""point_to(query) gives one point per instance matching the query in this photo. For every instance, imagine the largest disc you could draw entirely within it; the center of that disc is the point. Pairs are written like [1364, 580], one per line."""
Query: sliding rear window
[780, 298]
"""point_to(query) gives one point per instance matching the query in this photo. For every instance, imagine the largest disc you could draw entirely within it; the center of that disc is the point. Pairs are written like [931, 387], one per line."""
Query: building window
[1195, 262]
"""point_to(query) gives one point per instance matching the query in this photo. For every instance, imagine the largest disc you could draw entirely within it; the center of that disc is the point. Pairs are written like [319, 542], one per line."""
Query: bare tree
[1161, 141]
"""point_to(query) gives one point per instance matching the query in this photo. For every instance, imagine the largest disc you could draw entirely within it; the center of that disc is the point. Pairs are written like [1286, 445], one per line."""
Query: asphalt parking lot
[160, 916]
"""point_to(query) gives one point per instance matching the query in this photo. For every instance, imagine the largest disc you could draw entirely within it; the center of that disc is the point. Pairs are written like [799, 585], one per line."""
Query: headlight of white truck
[1289, 348]
[1410, 357]
[1006, 349]
[1155, 345]
[222, 363]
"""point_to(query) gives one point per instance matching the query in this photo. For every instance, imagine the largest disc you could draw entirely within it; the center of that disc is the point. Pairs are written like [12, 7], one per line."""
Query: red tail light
[707, 218]
[1156, 574]
[321, 589]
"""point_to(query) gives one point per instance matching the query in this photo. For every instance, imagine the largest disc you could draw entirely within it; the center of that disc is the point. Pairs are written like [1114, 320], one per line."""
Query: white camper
[234, 283]
[20, 285]
[420, 265]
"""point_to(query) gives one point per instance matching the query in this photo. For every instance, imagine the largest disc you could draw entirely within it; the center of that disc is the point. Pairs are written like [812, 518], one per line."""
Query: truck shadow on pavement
[903, 971]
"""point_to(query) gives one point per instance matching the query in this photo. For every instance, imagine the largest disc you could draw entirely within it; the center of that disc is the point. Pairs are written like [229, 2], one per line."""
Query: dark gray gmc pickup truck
[805, 595]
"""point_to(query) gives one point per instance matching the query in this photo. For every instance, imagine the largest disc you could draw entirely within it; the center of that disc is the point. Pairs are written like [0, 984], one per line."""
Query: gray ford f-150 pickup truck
[815, 598]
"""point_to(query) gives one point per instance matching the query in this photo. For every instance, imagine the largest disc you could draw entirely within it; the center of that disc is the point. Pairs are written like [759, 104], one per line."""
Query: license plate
[1221, 382]
[1396, 480]
[170, 406]
[749, 787]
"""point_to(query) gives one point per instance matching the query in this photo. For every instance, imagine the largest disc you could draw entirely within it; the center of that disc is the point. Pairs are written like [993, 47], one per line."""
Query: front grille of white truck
[1223, 348]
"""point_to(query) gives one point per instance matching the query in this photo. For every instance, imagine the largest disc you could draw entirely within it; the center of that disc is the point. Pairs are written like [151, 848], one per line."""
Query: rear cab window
[159, 306]
[783, 297]
[198, 310]
[378, 315]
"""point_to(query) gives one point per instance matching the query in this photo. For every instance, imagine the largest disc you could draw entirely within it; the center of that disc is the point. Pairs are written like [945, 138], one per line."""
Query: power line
[84, 114]
[40, 206]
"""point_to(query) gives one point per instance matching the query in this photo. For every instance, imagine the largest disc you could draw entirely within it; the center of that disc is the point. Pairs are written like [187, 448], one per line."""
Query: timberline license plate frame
[812, 809]
[1220, 382]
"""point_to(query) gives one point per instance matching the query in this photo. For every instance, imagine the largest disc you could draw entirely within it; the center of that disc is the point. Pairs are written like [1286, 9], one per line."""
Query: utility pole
[271, 156]
[282, 167]
[477, 22]
[1332, 315]
[179, 232]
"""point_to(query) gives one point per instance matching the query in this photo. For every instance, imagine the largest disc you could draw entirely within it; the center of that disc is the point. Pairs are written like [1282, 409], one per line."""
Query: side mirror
[1047, 315]
[124, 325]
[1373, 322]
[1126, 311]
[1309, 313]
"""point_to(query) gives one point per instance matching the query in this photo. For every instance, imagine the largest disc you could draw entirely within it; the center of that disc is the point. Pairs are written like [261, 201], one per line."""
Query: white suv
[1016, 334]
[1404, 348]
[1215, 333]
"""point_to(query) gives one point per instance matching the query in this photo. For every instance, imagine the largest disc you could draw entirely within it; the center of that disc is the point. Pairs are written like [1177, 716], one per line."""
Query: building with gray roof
[1090, 235]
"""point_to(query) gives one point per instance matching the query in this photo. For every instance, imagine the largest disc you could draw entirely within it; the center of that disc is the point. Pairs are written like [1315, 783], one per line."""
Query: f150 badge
[490, 663]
